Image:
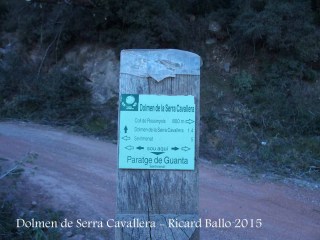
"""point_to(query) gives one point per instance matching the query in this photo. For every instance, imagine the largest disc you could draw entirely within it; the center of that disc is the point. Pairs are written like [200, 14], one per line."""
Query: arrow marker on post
[125, 129]
[185, 148]
[157, 153]
[189, 121]
[129, 147]
[126, 138]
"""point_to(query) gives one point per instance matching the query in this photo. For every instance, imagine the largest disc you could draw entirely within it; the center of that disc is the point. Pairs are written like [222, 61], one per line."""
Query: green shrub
[60, 97]
[125, 24]
[57, 96]
[242, 82]
[286, 107]
[282, 102]
[292, 157]
[3, 12]
[284, 69]
[285, 27]
[8, 229]
[285, 104]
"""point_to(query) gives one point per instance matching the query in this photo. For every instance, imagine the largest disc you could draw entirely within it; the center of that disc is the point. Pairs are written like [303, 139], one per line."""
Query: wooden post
[159, 196]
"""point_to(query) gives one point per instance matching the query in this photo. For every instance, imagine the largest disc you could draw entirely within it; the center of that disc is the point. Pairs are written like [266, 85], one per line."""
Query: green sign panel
[157, 132]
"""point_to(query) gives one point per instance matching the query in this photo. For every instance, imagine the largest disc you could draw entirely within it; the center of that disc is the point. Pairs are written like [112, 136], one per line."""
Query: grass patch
[292, 157]
[12, 207]
[96, 125]
[9, 231]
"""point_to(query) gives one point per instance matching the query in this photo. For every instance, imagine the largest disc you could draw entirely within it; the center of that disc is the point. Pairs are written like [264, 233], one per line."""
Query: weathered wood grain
[159, 195]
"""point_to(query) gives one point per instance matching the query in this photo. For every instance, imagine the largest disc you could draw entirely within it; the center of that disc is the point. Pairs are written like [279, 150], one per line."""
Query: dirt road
[77, 175]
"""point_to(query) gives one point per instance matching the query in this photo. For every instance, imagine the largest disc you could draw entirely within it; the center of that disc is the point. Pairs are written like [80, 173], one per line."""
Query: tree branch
[47, 50]
[9, 171]
[29, 157]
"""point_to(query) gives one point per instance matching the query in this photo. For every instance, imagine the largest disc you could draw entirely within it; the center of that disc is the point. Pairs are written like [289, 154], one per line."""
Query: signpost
[158, 142]
[156, 132]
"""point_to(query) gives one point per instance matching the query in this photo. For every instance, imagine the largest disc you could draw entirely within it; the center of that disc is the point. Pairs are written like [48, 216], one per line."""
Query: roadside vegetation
[262, 107]
[9, 230]
[15, 206]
